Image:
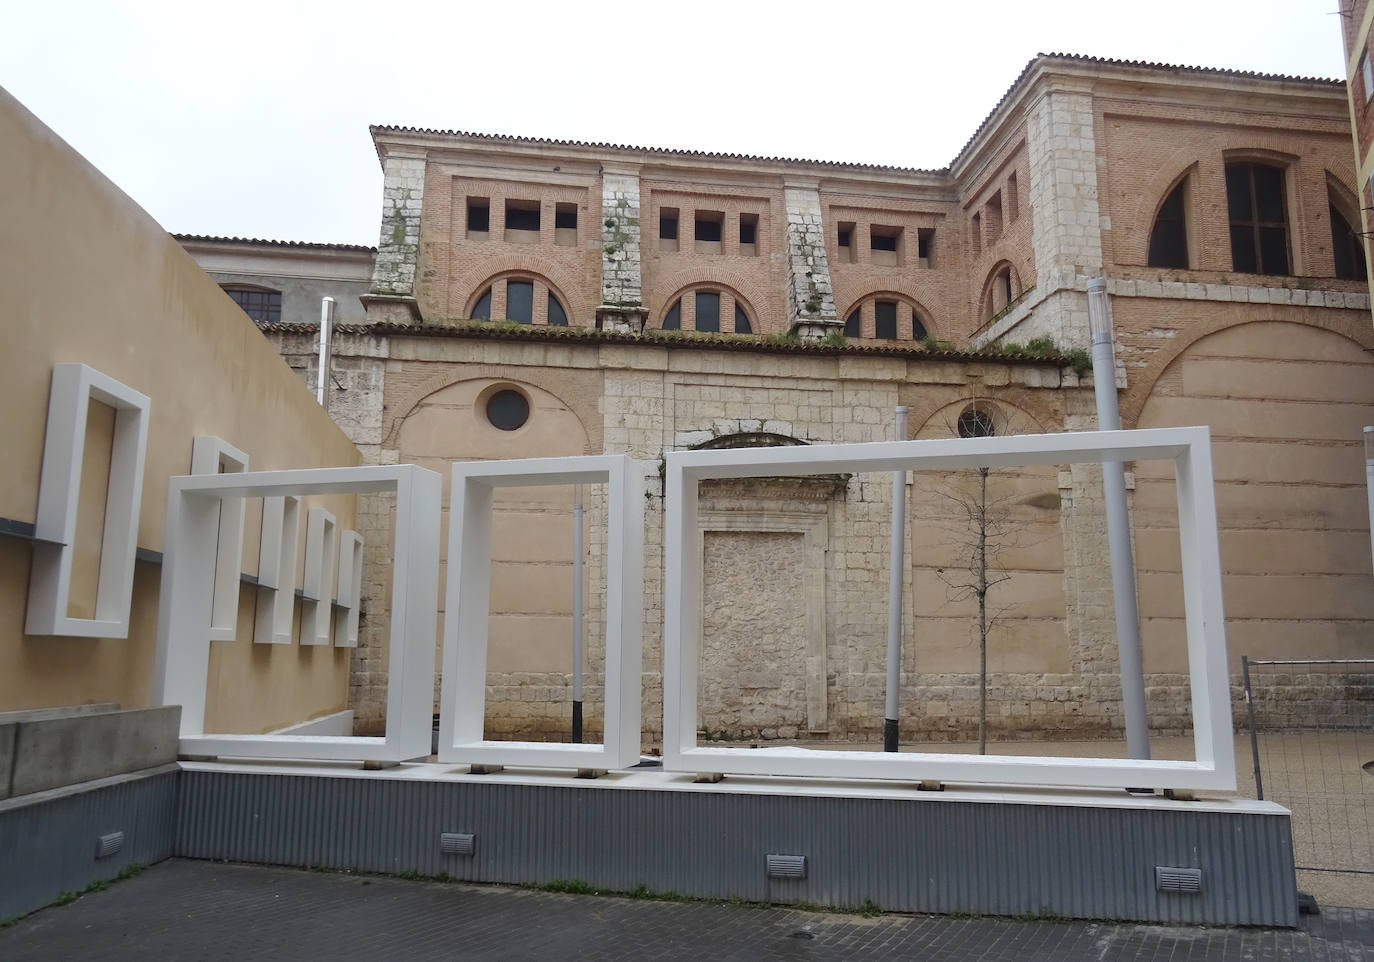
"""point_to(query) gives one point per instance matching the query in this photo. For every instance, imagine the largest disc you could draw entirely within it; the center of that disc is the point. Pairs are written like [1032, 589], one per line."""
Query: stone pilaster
[1067, 227]
[392, 296]
[810, 298]
[622, 298]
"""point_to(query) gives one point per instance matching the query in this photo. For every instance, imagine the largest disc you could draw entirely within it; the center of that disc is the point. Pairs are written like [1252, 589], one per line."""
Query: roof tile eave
[267, 242]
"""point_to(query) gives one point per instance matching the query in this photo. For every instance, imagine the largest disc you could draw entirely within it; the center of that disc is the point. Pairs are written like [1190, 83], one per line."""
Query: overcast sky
[250, 118]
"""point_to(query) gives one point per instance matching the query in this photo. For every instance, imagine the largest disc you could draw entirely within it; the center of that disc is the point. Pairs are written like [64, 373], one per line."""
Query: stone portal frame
[815, 528]
[74, 387]
[462, 706]
[183, 650]
[212, 455]
[1214, 767]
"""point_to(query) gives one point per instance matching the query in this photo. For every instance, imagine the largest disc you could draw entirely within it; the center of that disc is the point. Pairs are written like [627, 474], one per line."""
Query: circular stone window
[508, 410]
[976, 422]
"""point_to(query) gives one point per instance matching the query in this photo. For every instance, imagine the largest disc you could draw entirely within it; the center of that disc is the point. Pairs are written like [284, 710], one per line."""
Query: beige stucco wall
[89, 277]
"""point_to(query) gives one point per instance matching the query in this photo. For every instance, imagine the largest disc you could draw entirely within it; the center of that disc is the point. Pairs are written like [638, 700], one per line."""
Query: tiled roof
[262, 242]
[655, 338]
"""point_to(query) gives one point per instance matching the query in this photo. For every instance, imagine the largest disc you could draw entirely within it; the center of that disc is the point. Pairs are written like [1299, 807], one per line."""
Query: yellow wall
[87, 276]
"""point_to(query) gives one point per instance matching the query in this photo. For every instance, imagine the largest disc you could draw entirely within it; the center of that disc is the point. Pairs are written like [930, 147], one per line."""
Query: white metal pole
[896, 563]
[1369, 480]
[1118, 528]
[326, 350]
[577, 614]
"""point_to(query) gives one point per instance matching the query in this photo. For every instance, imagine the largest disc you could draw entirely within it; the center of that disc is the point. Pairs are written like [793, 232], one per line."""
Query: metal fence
[1311, 727]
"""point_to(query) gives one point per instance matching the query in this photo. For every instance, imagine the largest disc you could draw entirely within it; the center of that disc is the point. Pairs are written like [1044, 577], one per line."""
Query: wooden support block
[1180, 794]
[485, 769]
[378, 766]
[590, 772]
[708, 777]
[931, 785]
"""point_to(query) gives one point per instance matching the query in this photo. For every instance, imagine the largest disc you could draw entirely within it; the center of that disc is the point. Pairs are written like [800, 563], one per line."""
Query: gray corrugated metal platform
[48, 840]
[989, 853]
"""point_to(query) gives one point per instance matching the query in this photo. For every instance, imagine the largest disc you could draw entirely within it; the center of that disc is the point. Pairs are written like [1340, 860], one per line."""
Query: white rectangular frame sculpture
[321, 538]
[74, 387]
[350, 590]
[277, 551]
[1188, 448]
[212, 455]
[183, 652]
[462, 706]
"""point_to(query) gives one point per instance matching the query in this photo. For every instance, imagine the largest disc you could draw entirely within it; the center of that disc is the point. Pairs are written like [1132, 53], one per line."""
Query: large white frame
[1188, 447]
[468, 600]
[211, 455]
[183, 649]
[74, 387]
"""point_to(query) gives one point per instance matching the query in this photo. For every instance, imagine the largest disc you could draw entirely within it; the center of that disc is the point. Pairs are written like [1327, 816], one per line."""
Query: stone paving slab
[192, 910]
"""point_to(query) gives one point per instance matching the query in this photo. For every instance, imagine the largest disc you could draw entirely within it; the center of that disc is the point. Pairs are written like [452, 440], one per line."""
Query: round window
[508, 410]
[975, 422]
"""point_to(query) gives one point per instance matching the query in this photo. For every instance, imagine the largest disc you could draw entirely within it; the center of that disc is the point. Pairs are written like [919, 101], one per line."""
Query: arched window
[1347, 247]
[516, 298]
[886, 317]
[1257, 204]
[1169, 236]
[705, 309]
[1002, 287]
[262, 304]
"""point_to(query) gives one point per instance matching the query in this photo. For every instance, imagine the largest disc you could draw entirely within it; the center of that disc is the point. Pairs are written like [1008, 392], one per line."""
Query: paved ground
[208, 911]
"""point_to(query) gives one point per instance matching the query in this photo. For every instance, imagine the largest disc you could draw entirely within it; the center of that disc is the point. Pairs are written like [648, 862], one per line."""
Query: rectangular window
[885, 245]
[262, 306]
[1013, 198]
[1257, 205]
[976, 233]
[748, 234]
[707, 230]
[925, 247]
[885, 320]
[520, 302]
[565, 225]
[522, 221]
[844, 239]
[667, 228]
[1367, 75]
[992, 215]
[708, 311]
[479, 217]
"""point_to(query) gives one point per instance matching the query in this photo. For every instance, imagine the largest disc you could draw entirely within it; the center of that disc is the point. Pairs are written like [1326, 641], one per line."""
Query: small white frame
[74, 387]
[277, 548]
[1187, 447]
[182, 663]
[468, 599]
[350, 590]
[212, 455]
[321, 537]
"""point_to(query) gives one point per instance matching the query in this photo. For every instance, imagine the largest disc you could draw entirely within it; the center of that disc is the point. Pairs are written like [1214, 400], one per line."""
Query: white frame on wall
[350, 590]
[183, 650]
[74, 387]
[212, 455]
[1187, 447]
[277, 552]
[467, 610]
[321, 539]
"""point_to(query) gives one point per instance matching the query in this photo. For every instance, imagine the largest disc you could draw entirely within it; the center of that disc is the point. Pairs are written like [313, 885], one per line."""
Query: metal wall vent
[457, 843]
[1169, 879]
[786, 866]
[107, 845]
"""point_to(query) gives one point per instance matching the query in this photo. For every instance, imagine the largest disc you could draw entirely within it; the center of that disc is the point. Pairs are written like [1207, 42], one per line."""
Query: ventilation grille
[787, 866]
[457, 843]
[1168, 879]
[107, 845]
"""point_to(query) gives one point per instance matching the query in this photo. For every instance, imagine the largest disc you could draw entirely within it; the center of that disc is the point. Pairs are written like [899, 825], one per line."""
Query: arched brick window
[1001, 288]
[710, 310]
[523, 298]
[1169, 235]
[886, 317]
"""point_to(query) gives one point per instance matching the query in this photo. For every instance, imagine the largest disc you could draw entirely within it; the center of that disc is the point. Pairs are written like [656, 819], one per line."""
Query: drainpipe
[1369, 480]
[326, 351]
[577, 615]
[1118, 527]
[894, 597]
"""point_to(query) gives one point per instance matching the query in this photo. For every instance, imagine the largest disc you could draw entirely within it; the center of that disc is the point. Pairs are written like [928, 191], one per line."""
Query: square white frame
[74, 386]
[321, 539]
[1188, 447]
[208, 455]
[277, 549]
[350, 590]
[462, 707]
[183, 652]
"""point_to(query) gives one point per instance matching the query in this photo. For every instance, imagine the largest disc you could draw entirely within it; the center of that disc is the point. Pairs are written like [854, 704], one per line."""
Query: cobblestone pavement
[206, 911]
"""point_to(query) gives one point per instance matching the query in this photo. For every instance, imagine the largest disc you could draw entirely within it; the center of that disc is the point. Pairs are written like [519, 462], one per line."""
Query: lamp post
[894, 597]
[1118, 527]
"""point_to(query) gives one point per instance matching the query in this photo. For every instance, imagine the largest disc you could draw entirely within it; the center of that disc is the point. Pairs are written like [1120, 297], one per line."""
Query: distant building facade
[536, 298]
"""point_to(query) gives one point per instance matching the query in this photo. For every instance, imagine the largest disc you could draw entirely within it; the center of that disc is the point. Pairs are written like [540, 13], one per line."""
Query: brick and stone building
[538, 298]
